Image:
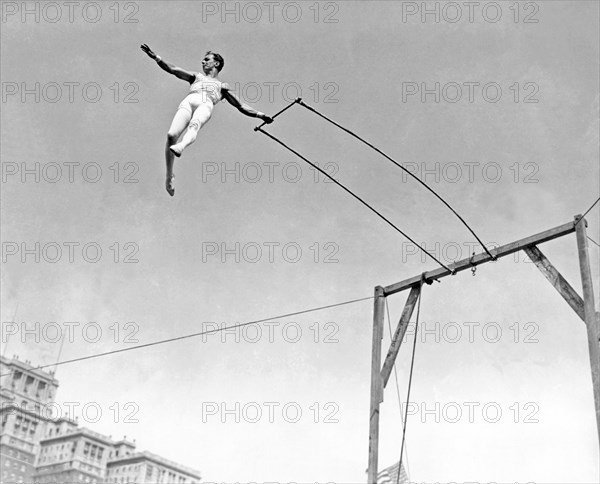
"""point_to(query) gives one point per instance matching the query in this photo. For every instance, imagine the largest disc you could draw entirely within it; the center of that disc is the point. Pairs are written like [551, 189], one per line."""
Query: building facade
[72, 454]
[145, 467]
[39, 447]
[25, 413]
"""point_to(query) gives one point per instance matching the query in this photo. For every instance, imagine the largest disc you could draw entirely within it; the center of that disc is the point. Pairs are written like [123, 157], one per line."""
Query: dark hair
[218, 58]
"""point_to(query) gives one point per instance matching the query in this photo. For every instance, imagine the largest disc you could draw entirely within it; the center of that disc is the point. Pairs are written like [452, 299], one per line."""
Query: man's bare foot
[176, 150]
[169, 185]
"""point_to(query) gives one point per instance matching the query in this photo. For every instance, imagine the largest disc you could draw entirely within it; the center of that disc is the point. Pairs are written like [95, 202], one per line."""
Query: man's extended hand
[148, 51]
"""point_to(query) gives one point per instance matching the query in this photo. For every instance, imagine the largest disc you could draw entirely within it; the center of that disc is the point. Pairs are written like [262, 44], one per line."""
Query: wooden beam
[483, 257]
[591, 322]
[557, 280]
[376, 384]
[388, 364]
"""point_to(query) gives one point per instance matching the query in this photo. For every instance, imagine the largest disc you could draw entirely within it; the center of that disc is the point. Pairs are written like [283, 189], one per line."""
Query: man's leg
[199, 118]
[180, 121]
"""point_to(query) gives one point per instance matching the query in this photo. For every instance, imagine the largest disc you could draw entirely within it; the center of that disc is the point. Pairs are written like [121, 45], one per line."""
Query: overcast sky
[495, 106]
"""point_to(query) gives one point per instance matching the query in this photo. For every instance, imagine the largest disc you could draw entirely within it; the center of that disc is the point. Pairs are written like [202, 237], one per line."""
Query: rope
[587, 211]
[593, 240]
[397, 384]
[412, 364]
[351, 193]
[193, 335]
[302, 103]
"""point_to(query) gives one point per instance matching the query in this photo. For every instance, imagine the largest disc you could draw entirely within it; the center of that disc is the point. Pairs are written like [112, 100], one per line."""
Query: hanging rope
[302, 103]
[412, 364]
[351, 193]
[397, 384]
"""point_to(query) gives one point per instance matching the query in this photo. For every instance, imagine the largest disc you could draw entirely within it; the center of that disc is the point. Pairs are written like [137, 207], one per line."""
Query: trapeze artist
[206, 90]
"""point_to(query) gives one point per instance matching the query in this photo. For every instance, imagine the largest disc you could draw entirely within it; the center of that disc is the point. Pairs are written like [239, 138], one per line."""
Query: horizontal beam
[481, 258]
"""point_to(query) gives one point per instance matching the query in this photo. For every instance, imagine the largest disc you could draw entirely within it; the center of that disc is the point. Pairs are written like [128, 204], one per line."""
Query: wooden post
[583, 307]
[376, 384]
[591, 322]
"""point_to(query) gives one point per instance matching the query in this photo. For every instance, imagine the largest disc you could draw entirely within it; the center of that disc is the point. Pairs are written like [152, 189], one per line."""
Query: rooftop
[26, 365]
[157, 459]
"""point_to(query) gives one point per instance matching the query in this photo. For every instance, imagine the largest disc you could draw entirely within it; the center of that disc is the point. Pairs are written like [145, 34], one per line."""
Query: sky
[494, 106]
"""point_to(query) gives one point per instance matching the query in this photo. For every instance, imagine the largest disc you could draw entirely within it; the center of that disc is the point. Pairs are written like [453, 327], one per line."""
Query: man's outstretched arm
[168, 67]
[242, 107]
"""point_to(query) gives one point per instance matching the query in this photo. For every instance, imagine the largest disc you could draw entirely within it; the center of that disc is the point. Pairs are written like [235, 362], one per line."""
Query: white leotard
[208, 87]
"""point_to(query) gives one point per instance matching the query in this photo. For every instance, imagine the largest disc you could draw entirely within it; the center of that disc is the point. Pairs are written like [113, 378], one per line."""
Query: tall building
[78, 455]
[145, 467]
[37, 447]
[72, 454]
[25, 393]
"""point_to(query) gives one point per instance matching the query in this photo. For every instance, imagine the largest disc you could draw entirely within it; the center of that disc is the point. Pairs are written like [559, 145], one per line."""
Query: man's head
[212, 59]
